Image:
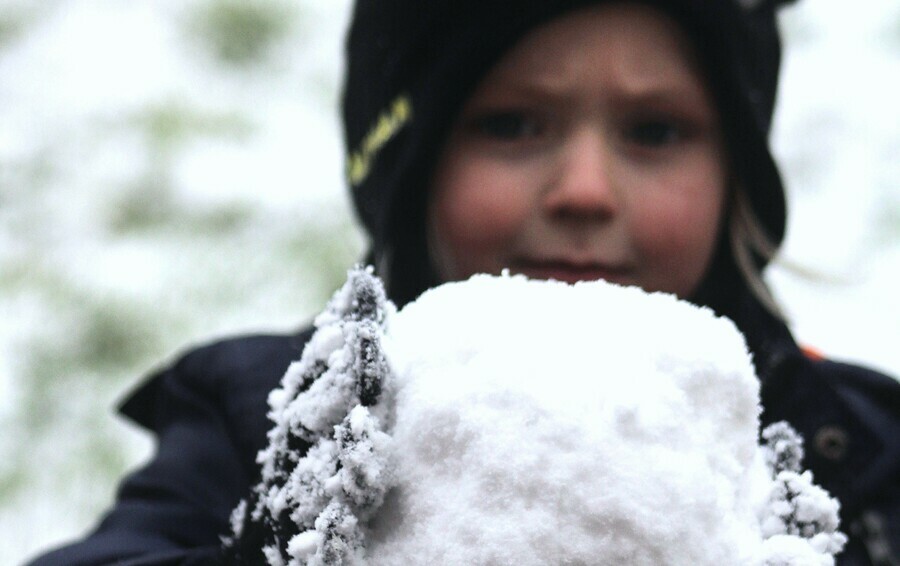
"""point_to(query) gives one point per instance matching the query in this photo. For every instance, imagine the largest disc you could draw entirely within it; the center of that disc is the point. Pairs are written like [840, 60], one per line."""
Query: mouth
[573, 271]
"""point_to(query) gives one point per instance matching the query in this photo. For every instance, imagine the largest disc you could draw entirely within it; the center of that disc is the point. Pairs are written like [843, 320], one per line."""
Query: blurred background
[170, 172]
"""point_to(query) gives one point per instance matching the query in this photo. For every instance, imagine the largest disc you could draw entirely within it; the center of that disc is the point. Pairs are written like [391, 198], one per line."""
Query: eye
[506, 125]
[654, 133]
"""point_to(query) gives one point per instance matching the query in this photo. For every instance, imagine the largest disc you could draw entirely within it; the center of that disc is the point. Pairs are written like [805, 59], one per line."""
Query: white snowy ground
[142, 174]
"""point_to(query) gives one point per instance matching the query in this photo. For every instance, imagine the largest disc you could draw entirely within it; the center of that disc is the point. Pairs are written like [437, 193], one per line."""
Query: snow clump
[532, 422]
[326, 466]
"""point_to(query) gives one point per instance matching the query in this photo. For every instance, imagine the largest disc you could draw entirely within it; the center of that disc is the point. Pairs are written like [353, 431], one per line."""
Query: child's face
[592, 150]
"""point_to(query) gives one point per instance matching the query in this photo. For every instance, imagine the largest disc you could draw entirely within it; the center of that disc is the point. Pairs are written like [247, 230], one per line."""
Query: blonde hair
[749, 240]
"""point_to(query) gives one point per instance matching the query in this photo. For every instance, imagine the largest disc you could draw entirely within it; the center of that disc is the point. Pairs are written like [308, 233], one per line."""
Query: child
[560, 139]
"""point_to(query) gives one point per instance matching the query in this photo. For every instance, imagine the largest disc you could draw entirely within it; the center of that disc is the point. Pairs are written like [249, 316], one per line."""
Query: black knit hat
[411, 65]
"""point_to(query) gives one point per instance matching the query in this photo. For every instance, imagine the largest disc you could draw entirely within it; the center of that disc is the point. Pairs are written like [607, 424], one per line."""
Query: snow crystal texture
[503, 420]
[544, 423]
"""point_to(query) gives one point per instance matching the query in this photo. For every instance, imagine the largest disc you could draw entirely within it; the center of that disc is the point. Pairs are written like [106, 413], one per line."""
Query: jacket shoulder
[241, 365]
[864, 445]
[208, 412]
[862, 386]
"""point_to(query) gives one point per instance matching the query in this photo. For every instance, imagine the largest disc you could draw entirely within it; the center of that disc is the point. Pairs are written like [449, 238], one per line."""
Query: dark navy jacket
[208, 411]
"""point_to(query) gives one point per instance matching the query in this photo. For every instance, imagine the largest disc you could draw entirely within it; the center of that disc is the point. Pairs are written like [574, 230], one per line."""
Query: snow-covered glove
[325, 468]
[800, 520]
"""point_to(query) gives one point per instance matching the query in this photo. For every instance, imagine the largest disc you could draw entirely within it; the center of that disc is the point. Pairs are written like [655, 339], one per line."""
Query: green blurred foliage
[87, 342]
[241, 32]
[166, 126]
[145, 204]
[18, 16]
[87, 347]
[11, 25]
[894, 31]
[887, 221]
[332, 252]
[103, 337]
[148, 201]
[12, 480]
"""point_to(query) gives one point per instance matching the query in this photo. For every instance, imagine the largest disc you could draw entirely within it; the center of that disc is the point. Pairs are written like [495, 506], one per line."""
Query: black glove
[325, 467]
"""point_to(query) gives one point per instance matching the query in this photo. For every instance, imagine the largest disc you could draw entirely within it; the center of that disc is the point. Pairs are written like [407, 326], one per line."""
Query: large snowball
[541, 423]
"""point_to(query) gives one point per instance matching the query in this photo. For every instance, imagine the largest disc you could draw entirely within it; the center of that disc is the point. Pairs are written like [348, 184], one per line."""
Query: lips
[573, 271]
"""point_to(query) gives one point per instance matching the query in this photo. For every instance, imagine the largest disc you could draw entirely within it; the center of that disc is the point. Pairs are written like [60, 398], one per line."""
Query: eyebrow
[656, 93]
[663, 94]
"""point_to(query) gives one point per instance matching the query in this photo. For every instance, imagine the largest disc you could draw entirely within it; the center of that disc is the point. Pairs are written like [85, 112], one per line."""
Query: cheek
[475, 214]
[677, 232]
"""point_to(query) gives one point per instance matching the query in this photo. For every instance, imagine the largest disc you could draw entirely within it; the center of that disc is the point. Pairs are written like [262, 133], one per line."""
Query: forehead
[635, 46]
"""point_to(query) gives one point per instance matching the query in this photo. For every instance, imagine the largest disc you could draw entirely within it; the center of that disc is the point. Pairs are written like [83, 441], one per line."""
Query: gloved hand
[324, 469]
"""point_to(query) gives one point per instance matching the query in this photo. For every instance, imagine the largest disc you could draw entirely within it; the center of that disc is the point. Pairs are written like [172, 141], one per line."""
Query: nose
[582, 185]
